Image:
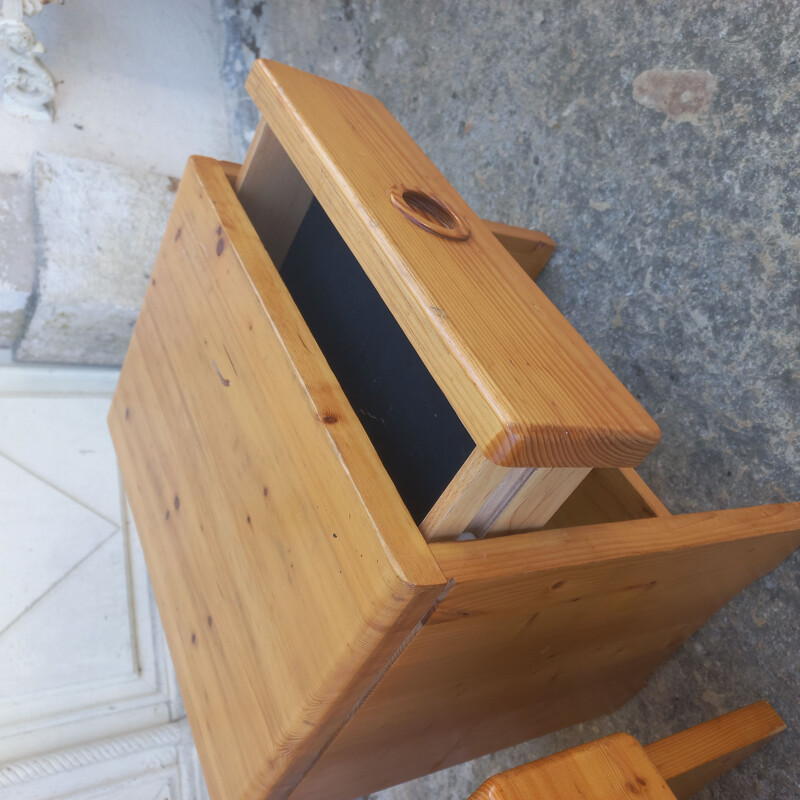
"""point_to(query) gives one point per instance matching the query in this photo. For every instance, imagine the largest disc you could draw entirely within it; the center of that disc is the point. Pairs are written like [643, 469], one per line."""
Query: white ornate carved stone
[158, 763]
[29, 86]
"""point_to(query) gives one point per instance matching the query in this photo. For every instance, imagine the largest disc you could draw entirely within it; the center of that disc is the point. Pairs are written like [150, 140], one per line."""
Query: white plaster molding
[77, 757]
[158, 762]
[29, 86]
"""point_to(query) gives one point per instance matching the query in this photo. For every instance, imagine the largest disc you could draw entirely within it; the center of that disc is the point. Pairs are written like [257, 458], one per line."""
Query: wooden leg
[613, 768]
[617, 766]
[531, 249]
[273, 193]
[693, 758]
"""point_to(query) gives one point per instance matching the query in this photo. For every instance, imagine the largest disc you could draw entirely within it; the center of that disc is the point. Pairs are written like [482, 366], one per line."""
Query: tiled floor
[88, 704]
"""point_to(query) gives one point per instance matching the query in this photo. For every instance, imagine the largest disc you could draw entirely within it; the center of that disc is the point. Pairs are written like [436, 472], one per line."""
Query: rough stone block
[99, 228]
[17, 261]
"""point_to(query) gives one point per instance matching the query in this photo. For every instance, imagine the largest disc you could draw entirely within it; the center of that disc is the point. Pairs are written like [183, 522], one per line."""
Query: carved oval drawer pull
[429, 213]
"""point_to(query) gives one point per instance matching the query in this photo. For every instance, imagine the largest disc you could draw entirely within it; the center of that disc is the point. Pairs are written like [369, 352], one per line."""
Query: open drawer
[323, 647]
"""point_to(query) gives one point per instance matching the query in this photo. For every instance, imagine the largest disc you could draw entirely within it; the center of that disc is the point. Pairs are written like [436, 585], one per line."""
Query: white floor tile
[77, 633]
[82, 659]
[65, 441]
[43, 535]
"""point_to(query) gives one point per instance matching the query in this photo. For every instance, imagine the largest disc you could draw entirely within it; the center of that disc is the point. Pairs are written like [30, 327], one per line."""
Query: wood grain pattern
[608, 495]
[691, 759]
[617, 767]
[486, 499]
[543, 630]
[287, 571]
[530, 391]
[612, 768]
[272, 193]
[534, 504]
[530, 249]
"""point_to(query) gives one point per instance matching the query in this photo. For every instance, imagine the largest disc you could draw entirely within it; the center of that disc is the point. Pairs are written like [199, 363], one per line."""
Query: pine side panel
[287, 572]
[543, 630]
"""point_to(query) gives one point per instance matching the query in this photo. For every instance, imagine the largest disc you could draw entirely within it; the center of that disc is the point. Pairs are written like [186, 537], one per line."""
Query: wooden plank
[691, 759]
[533, 505]
[530, 391]
[470, 489]
[287, 571]
[530, 249]
[485, 499]
[617, 766]
[544, 630]
[608, 495]
[612, 768]
[273, 193]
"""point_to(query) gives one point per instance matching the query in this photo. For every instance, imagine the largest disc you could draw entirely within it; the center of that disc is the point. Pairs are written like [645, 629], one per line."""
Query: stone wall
[84, 198]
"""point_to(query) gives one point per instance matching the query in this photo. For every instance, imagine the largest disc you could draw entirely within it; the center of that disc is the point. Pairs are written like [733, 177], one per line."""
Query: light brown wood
[691, 759]
[617, 767]
[533, 505]
[469, 490]
[529, 390]
[485, 499]
[608, 495]
[287, 571]
[272, 193]
[612, 768]
[530, 249]
[323, 648]
[543, 630]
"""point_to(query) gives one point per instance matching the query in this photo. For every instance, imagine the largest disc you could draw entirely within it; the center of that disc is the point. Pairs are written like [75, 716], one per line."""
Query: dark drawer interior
[413, 428]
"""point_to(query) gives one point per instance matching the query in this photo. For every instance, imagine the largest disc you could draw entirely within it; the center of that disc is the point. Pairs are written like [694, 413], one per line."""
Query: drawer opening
[415, 431]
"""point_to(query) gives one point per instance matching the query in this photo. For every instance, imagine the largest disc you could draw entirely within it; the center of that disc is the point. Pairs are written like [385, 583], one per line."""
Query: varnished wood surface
[273, 194]
[617, 767]
[534, 504]
[543, 630]
[287, 571]
[530, 391]
[485, 499]
[608, 495]
[530, 249]
[691, 759]
[612, 768]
